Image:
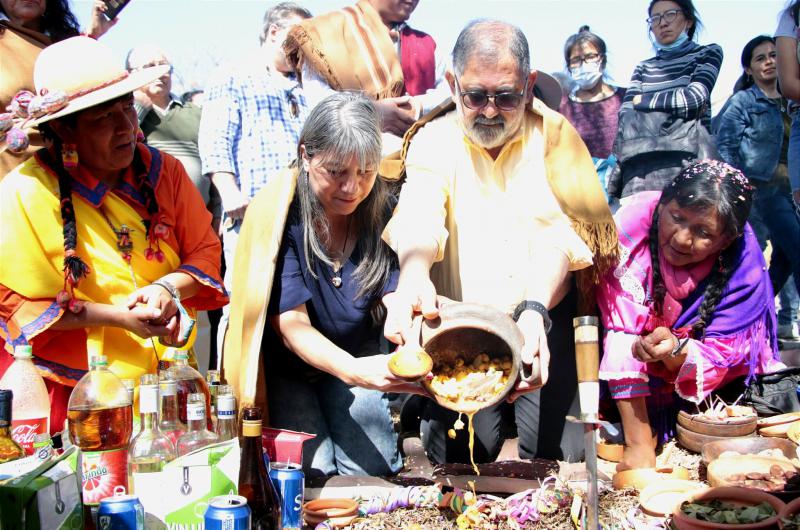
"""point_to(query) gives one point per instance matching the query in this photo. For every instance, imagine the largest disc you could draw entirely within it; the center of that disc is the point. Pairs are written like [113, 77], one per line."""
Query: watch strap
[531, 305]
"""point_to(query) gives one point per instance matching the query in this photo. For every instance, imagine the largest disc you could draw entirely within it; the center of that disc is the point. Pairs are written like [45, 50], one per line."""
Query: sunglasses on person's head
[669, 17]
[478, 99]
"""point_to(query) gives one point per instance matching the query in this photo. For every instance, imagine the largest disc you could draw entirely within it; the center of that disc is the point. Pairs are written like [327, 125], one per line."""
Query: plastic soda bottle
[99, 416]
[30, 415]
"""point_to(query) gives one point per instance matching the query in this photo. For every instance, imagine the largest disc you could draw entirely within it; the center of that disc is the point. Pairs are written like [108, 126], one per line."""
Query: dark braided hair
[74, 267]
[706, 185]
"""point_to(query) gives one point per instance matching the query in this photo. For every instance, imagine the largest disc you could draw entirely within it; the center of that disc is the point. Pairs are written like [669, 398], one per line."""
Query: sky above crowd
[201, 36]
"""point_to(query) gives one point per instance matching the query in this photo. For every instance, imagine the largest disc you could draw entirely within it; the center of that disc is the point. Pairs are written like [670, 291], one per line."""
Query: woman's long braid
[713, 293]
[659, 288]
[75, 268]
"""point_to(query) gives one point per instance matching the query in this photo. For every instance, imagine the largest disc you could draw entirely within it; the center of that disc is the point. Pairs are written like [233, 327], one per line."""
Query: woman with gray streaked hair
[333, 268]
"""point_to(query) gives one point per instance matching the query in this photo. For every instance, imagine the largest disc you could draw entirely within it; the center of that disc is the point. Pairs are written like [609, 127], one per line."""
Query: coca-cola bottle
[31, 412]
[189, 381]
[99, 416]
[9, 449]
[168, 420]
[254, 483]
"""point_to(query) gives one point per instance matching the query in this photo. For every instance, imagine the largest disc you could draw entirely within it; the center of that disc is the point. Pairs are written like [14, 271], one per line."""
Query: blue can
[227, 512]
[120, 512]
[290, 483]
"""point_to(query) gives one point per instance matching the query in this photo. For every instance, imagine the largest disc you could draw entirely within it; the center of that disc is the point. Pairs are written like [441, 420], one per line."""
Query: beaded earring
[69, 156]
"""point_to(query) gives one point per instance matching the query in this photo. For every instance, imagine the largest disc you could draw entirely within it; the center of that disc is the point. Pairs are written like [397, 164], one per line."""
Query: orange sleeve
[198, 246]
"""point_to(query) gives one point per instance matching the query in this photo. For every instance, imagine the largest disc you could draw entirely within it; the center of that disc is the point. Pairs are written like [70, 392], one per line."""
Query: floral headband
[718, 172]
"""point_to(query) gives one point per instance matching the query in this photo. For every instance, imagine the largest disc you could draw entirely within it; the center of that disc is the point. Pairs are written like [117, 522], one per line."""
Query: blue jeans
[789, 301]
[774, 206]
[355, 434]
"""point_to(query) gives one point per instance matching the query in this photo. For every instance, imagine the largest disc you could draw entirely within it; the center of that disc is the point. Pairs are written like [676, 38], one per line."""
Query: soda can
[120, 512]
[289, 481]
[227, 512]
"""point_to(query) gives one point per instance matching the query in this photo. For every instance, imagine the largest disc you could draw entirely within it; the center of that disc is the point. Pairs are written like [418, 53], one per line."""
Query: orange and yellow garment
[32, 246]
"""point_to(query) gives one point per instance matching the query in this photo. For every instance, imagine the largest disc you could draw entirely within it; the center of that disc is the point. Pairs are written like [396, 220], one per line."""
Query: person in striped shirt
[677, 81]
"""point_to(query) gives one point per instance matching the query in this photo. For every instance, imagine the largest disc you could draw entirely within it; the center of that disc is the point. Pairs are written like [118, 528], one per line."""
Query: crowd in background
[271, 110]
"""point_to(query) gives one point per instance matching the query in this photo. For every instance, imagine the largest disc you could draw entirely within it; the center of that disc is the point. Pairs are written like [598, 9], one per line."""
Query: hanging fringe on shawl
[602, 240]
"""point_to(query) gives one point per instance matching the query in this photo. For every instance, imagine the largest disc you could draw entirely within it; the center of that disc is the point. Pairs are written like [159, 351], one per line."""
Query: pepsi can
[227, 512]
[289, 481]
[120, 512]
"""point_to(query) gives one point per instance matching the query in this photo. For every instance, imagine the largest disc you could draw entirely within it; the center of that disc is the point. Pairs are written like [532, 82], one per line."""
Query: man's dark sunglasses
[478, 99]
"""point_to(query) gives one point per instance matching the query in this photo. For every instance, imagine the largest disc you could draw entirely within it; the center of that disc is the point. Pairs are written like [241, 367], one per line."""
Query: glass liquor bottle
[9, 449]
[150, 449]
[254, 483]
[226, 413]
[168, 421]
[189, 381]
[213, 381]
[197, 435]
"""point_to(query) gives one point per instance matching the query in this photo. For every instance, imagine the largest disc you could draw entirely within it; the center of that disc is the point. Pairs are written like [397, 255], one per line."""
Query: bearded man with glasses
[501, 206]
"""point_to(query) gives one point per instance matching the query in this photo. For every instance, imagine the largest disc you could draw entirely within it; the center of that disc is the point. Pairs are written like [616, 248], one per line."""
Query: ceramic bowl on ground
[661, 498]
[779, 431]
[726, 471]
[770, 421]
[342, 511]
[610, 452]
[747, 445]
[791, 509]
[730, 426]
[639, 479]
[694, 441]
[737, 496]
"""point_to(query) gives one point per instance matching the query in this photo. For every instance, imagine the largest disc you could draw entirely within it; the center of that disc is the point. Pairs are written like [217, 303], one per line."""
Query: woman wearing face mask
[677, 83]
[593, 104]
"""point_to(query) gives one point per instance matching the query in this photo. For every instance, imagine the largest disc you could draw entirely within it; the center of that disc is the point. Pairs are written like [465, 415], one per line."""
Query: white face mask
[587, 75]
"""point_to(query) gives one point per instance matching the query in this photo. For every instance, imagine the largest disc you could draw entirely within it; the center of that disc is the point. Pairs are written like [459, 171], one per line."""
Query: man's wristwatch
[169, 287]
[534, 306]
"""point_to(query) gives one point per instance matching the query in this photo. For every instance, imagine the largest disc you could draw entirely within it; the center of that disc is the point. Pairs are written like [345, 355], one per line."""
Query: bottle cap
[23, 351]
[99, 360]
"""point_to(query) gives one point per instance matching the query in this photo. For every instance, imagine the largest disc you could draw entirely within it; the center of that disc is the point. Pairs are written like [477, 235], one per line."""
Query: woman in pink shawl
[689, 307]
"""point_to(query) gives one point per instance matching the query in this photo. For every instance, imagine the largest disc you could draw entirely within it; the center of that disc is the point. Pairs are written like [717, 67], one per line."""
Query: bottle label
[226, 405]
[251, 428]
[104, 474]
[195, 411]
[148, 399]
[24, 432]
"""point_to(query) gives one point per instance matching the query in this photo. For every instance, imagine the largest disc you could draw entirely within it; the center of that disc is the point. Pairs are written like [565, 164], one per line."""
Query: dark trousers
[539, 417]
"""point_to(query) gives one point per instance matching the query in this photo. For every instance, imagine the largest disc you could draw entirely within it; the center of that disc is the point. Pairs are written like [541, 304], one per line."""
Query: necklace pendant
[336, 281]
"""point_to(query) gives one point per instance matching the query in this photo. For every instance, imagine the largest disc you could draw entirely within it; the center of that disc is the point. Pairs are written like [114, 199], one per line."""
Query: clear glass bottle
[226, 414]
[151, 448]
[168, 420]
[189, 381]
[197, 434]
[9, 449]
[130, 386]
[254, 482]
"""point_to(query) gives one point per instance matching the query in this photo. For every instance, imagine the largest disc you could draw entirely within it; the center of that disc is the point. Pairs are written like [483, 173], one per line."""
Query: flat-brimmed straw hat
[78, 73]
